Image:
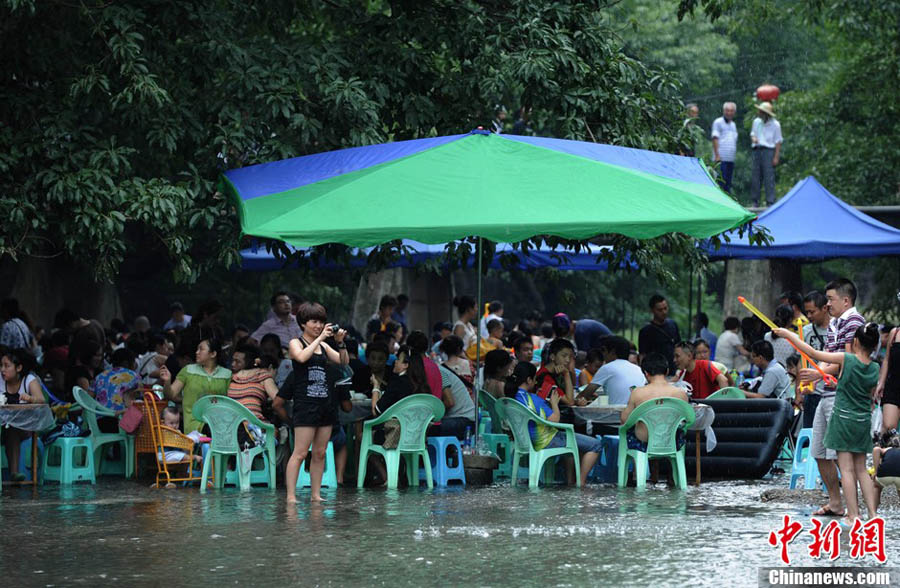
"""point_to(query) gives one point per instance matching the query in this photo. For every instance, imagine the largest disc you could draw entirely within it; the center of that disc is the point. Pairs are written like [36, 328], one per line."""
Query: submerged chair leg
[392, 461]
[205, 476]
[682, 473]
[640, 470]
[428, 474]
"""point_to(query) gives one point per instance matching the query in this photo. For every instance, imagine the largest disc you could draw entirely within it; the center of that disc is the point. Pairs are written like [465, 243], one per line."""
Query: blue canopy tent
[798, 224]
[258, 259]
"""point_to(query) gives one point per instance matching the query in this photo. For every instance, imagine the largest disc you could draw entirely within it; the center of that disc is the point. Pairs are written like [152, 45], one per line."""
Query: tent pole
[699, 294]
[478, 346]
[690, 304]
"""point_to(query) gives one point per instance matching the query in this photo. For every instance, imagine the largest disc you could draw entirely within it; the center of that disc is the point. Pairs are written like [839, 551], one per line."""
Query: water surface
[124, 532]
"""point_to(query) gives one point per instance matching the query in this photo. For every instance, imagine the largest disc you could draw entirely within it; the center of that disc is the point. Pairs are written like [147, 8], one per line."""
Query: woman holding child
[205, 376]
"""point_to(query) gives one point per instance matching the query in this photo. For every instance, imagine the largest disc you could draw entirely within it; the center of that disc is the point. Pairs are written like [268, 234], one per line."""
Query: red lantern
[767, 92]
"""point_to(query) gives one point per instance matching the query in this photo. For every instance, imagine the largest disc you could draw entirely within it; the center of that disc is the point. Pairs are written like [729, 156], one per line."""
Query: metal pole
[690, 304]
[699, 294]
[478, 381]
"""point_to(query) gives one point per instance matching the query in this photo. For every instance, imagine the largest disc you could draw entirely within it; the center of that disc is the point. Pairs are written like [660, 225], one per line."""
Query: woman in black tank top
[888, 388]
[314, 412]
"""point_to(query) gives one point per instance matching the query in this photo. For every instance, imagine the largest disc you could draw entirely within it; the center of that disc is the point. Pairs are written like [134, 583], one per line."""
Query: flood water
[126, 533]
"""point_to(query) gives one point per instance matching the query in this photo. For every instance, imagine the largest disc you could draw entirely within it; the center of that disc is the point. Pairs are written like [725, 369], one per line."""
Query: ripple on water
[600, 534]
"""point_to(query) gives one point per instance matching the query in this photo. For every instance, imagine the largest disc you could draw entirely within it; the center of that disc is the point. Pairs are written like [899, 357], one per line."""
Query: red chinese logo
[785, 535]
[827, 539]
[868, 539]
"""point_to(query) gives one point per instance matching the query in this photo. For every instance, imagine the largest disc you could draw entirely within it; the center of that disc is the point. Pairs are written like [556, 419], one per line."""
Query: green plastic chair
[518, 416]
[663, 417]
[414, 413]
[224, 415]
[90, 410]
[489, 403]
[727, 394]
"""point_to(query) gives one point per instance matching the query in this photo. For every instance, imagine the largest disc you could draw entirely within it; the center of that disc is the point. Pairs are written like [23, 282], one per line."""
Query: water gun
[828, 378]
[803, 387]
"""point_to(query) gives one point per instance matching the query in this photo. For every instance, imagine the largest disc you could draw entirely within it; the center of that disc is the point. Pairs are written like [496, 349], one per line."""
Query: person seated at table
[460, 409]
[83, 368]
[457, 361]
[655, 368]
[520, 385]
[523, 347]
[149, 362]
[701, 374]
[110, 386]
[377, 357]
[21, 386]
[702, 351]
[498, 365]
[617, 376]
[271, 345]
[196, 380]
[593, 361]
[774, 382]
[558, 370]
[251, 384]
[409, 378]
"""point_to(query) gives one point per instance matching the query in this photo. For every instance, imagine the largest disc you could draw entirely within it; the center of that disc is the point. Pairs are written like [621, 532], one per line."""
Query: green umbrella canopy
[501, 187]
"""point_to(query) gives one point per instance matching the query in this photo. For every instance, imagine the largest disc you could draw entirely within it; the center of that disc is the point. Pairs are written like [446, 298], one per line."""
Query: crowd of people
[297, 370]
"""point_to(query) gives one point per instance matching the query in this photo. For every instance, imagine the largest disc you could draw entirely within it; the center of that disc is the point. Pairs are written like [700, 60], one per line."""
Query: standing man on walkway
[765, 137]
[724, 143]
[661, 334]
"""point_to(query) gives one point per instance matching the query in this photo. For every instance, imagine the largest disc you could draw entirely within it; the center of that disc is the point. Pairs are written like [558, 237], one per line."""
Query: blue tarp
[258, 259]
[811, 223]
[271, 178]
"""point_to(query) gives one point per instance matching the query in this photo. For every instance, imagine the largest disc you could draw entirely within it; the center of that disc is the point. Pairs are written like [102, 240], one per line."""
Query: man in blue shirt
[586, 333]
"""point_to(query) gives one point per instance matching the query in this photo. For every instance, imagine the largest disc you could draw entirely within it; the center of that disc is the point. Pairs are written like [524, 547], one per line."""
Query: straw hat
[766, 107]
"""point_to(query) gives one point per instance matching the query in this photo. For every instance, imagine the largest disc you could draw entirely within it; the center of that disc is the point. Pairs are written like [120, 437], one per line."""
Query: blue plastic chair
[329, 476]
[442, 470]
[803, 464]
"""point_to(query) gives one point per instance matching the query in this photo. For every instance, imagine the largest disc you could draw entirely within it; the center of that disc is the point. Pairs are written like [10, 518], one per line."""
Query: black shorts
[314, 414]
[891, 393]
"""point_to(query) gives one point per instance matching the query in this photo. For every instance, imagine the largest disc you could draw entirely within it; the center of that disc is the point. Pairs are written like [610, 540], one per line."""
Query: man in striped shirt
[845, 319]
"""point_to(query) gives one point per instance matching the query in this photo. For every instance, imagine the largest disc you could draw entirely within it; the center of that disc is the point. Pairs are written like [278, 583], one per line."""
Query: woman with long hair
[20, 386]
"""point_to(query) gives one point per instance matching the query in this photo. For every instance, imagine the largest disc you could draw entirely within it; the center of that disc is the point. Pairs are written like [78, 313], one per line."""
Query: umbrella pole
[690, 304]
[477, 348]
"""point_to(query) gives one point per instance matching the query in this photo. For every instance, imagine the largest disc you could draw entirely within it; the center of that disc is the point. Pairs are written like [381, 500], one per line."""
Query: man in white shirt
[765, 136]
[730, 350]
[617, 375]
[724, 141]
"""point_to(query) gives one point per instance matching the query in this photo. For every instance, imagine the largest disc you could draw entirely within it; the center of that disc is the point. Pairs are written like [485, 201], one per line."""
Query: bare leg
[865, 483]
[303, 438]
[588, 459]
[848, 483]
[317, 462]
[891, 416]
[340, 463]
[13, 444]
[829, 476]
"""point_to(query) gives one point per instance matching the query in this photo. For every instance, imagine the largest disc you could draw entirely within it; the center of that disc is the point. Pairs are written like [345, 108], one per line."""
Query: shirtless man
[655, 367]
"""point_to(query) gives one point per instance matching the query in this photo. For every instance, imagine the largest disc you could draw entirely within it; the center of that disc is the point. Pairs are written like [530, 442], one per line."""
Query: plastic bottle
[467, 443]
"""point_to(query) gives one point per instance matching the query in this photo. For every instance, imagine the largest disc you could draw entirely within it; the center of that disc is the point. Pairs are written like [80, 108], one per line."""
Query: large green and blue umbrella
[505, 188]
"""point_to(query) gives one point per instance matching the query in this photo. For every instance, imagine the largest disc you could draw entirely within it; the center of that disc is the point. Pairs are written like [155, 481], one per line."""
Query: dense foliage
[116, 118]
